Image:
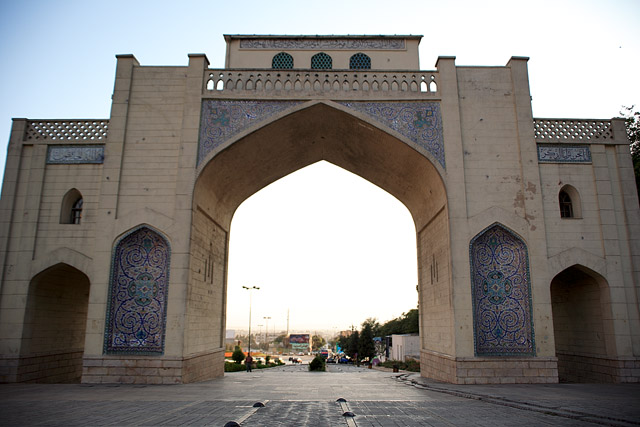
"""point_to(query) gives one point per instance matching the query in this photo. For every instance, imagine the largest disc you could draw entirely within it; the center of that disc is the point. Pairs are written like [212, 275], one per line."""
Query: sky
[321, 243]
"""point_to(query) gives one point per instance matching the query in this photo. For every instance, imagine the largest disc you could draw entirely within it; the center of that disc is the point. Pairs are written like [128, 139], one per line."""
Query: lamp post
[266, 332]
[250, 289]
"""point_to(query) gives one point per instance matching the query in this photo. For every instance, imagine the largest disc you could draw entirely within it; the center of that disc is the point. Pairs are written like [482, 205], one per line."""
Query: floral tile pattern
[501, 294]
[137, 306]
[421, 122]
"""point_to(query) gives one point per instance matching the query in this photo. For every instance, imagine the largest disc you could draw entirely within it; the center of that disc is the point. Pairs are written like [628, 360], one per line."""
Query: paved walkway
[292, 396]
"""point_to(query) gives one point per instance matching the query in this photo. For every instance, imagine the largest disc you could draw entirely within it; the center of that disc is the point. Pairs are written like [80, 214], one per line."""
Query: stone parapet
[332, 84]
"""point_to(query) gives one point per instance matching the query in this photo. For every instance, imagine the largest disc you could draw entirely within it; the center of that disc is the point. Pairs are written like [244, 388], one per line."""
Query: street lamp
[266, 332]
[250, 289]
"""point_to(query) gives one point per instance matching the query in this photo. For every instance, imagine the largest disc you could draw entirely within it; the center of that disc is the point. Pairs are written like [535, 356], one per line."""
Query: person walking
[248, 361]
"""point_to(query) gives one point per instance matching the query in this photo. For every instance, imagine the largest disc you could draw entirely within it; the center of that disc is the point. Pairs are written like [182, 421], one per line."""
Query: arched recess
[569, 202]
[71, 207]
[583, 325]
[138, 292]
[501, 294]
[319, 132]
[54, 326]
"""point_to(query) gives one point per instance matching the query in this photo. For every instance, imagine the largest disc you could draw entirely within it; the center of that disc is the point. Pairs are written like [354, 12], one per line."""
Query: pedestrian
[248, 361]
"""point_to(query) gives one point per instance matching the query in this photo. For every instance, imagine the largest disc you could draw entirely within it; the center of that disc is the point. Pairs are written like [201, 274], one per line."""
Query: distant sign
[299, 339]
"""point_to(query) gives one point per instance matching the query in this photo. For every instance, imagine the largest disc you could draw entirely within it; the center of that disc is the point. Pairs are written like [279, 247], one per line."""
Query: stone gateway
[115, 233]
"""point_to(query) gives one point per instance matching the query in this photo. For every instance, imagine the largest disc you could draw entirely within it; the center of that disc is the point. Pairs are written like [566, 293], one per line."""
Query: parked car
[331, 360]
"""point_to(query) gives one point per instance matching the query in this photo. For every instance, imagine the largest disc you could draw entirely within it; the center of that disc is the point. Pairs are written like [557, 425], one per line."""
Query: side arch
[54, 326]
[71, 257]
[584, 330]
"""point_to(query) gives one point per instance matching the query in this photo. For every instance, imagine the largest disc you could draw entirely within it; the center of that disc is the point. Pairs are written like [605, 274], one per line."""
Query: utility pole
[250, 289]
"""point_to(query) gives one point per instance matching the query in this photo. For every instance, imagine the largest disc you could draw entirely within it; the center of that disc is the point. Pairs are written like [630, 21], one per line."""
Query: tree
[632, 124]
[317, 342]
[408, 323]
[366, 347]
[352, 345]
[238, 355]
[372, 322]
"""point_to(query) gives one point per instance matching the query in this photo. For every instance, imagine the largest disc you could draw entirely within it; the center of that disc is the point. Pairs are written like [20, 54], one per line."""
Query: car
[331, 360]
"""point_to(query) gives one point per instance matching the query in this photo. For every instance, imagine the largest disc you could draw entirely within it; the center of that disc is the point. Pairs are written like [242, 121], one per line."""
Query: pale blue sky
[59, 62]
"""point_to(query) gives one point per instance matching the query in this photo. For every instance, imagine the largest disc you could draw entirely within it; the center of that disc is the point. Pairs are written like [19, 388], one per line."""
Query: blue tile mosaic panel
[137, 306]
[501, 294]
[564, 153]
[222, 119]
[421, 122]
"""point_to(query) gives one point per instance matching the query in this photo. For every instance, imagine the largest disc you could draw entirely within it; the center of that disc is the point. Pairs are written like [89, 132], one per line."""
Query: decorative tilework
[420, 122]
[564, 153]
[137, 306]
[501, 293]
[75, 154]
[220, 120]
[323, 43]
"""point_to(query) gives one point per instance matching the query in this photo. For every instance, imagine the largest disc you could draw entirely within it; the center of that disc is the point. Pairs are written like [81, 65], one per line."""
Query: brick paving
[295, 397]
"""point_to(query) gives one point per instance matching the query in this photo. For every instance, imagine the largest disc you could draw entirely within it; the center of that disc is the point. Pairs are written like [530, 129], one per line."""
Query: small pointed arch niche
[569, 202]
[71, 208]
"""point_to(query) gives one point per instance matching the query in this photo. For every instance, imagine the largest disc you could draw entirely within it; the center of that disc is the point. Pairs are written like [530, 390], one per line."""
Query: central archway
[280, 147]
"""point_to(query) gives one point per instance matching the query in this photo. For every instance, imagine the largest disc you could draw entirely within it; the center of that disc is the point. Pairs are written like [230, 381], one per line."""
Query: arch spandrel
[319, 132]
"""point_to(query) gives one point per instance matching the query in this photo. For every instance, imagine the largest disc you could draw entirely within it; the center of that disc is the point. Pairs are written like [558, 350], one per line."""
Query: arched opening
[71, 208]
[54, 326]
[569, 202]
[319, 132]
[328, 250]
[582, 325]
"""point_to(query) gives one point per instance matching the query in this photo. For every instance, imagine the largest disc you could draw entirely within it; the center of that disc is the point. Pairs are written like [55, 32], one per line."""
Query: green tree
[317, 342]
[372, 322]
[408, 323]
[632, 124]
[238, 355]
[352, 346]
[366, 347]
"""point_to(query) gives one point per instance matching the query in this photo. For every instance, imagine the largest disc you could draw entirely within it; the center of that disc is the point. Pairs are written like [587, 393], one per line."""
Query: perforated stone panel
[565, 129]
[67, 129]
[321, 61]
[360, 61]
[282, 60]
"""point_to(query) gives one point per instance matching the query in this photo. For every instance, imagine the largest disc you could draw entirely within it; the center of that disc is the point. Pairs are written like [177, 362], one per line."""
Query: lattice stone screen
[66, 130]
[566, 129]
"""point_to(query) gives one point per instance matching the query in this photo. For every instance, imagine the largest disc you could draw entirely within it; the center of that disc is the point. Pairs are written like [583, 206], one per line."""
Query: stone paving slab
[295, 397]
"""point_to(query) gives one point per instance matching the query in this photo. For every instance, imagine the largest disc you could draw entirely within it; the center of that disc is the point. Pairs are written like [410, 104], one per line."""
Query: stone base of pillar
[598, 369]
[480, 370]
[153, 369]
[58, 367]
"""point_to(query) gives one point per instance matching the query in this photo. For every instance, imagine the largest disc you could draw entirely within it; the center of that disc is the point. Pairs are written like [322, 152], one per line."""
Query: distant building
[404, 346]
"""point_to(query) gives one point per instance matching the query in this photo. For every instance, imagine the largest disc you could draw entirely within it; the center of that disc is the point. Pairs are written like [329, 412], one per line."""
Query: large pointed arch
[289, 143]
